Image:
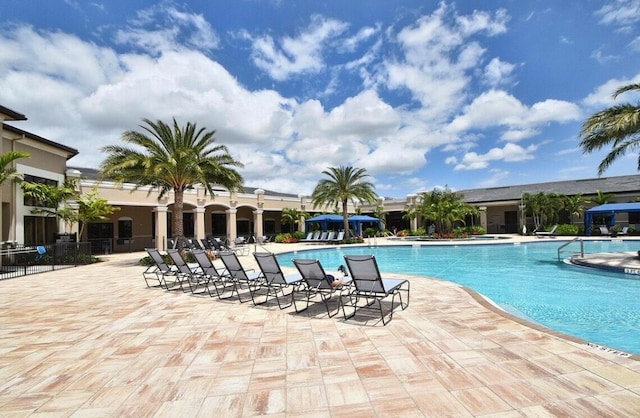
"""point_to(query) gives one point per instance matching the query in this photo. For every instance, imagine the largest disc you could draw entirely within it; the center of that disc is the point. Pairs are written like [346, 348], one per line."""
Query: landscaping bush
[288, 238]
[568, 229]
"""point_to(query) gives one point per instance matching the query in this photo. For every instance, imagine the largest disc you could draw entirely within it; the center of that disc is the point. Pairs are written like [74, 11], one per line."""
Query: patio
[94, 341]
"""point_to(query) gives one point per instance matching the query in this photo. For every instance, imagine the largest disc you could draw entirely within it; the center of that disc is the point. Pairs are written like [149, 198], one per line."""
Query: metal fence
[20, 260]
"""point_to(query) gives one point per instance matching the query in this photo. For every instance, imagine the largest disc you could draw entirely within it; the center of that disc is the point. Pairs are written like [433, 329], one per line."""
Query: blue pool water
[595, 305]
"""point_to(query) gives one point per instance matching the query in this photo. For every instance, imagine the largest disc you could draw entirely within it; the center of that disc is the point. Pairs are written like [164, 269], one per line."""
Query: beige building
[47, 164]
[145, 221]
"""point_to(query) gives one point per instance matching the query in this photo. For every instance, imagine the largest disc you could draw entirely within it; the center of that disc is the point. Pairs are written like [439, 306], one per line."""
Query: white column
[199, 219]
[257, 223]
[161, 228]
[232, 229]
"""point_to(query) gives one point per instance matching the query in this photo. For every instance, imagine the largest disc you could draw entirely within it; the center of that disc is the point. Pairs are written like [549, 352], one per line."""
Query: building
[144, 221]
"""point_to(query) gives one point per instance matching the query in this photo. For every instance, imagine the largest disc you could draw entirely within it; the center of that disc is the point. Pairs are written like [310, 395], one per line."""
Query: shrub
[288, 238]
[567, 229]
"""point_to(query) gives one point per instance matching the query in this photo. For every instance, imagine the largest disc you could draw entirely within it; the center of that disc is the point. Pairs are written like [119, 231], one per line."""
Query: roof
[615, 185]
[94, 174]
[615, 207]
[11, 114]
[71, 151]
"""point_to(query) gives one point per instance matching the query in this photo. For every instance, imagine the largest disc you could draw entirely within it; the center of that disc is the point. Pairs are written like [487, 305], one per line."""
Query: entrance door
[511, 222]
[101, 237]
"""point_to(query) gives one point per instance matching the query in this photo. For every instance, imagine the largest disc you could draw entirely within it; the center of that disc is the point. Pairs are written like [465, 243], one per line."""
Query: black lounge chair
[240, 275]
[369, 287]
[185, 273]
[275, 280]
[160, 270]
[222, 282]
[316, 282]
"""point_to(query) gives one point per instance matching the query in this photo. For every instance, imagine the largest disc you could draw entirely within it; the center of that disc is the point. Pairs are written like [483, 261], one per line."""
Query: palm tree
[171, 160]
[292, 217]
[445, 208]
[343, 184]
[381, 214]
[574, 205]
[618, 126]
[602, 198]
[10, 173]
[543, 208]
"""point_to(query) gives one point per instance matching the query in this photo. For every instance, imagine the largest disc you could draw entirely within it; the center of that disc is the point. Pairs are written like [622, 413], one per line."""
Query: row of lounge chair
[364, 289]
[324, 237]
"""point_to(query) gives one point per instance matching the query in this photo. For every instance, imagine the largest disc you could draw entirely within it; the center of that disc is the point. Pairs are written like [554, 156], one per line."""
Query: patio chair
[338, 238]
[624, 231]
[160, 270]
[551, 233]
[312, 237]
[240, 275]
[370, 287]
[316, 282]
[275, 280]
[186, 273]
[222, 282]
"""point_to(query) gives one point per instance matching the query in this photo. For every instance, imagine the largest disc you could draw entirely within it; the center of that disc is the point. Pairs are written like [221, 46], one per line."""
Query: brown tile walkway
[95, 342]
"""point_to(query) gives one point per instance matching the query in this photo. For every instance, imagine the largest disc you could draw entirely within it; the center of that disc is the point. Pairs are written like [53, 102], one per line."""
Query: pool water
[527, 280]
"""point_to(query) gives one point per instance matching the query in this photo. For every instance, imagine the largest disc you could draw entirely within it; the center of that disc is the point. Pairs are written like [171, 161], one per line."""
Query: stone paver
[95, 341]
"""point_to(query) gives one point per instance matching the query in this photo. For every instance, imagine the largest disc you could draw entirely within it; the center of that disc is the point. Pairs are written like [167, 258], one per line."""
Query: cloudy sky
[421, 93]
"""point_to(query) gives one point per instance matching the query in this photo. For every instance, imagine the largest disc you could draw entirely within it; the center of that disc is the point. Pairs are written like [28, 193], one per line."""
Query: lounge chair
[316, 282]
[160, 270]
[275, 280]
[624, 231]
[240, 275]
[221, 281]
[312, 237]
[338, 238]
[551, 233]
[186, 273]
[370, 287]
[604, 231]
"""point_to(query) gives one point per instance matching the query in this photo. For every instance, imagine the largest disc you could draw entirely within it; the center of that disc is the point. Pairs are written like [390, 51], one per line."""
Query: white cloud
[619, 12]
[302, 54]
[602, 94]
[498, 73]
[164, 27]
[496, 108]
[509, 153]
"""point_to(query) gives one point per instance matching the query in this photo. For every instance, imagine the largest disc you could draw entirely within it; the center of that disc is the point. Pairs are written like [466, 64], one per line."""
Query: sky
[422, 94]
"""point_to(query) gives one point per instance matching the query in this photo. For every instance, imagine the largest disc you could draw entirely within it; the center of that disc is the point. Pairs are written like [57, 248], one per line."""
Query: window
[269, 226]
[32, 201]
[125, 228]
[219, 224]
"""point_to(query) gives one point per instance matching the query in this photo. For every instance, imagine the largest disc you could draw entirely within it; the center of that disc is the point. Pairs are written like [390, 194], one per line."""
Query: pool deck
[94, 341]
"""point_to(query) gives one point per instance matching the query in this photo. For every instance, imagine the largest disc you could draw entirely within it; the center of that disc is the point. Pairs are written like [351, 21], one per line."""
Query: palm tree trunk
[178, 226]
[345, 220]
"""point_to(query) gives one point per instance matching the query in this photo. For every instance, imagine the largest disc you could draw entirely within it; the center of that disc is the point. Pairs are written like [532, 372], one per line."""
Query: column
[199, 219]
[257, 223]
[303, 208]
[232, 229]
[161, 228]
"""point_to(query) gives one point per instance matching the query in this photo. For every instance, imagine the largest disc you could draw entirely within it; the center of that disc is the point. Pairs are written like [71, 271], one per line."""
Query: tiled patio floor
[94, 341]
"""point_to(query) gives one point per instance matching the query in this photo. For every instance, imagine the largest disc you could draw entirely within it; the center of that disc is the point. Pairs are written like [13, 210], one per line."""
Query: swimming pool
[527, 280]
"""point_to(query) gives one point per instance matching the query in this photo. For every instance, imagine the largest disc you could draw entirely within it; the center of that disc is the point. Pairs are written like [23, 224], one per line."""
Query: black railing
[21, 260]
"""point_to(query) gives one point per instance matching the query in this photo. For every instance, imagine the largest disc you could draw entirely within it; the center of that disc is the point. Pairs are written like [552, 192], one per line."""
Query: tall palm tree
[618, 126]
[343, 184]
[6, 171]
[171, 159]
